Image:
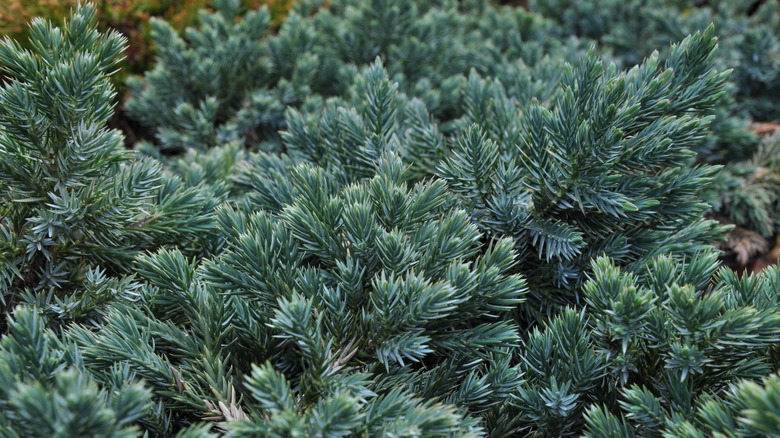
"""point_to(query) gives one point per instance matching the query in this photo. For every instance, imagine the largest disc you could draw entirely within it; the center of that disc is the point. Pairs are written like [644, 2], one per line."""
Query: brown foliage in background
[130, 17]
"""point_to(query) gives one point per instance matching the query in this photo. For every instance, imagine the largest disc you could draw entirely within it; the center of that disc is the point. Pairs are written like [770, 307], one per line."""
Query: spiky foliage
[46, 393]
[130, 17]
[474, 247]
[606, 168]
[427, 49]
[76, 206]
[212, 84]
[370, 301]
[749, 191]
[637, 28]
[633, 29]
[750, 45]
[680, 350]
[228, 80]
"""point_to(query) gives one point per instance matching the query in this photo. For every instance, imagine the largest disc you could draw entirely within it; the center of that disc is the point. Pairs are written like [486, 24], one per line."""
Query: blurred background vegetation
[130, 17]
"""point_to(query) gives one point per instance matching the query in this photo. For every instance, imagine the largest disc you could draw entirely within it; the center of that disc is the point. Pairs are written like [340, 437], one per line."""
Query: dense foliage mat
[390, 218]
[129, 17]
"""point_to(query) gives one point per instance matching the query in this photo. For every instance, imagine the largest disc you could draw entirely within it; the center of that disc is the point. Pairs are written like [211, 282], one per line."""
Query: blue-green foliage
[633, 29]
[228, 80]
[390, 218]
[629, 31]
[46, 391]
[748, 192]
[680, 351]
[74, 204]
[430, 49]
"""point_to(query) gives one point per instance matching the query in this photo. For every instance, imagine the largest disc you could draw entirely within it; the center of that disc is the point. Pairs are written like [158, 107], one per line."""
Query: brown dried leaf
[746, 244]
[764, 129]
[223, 413]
